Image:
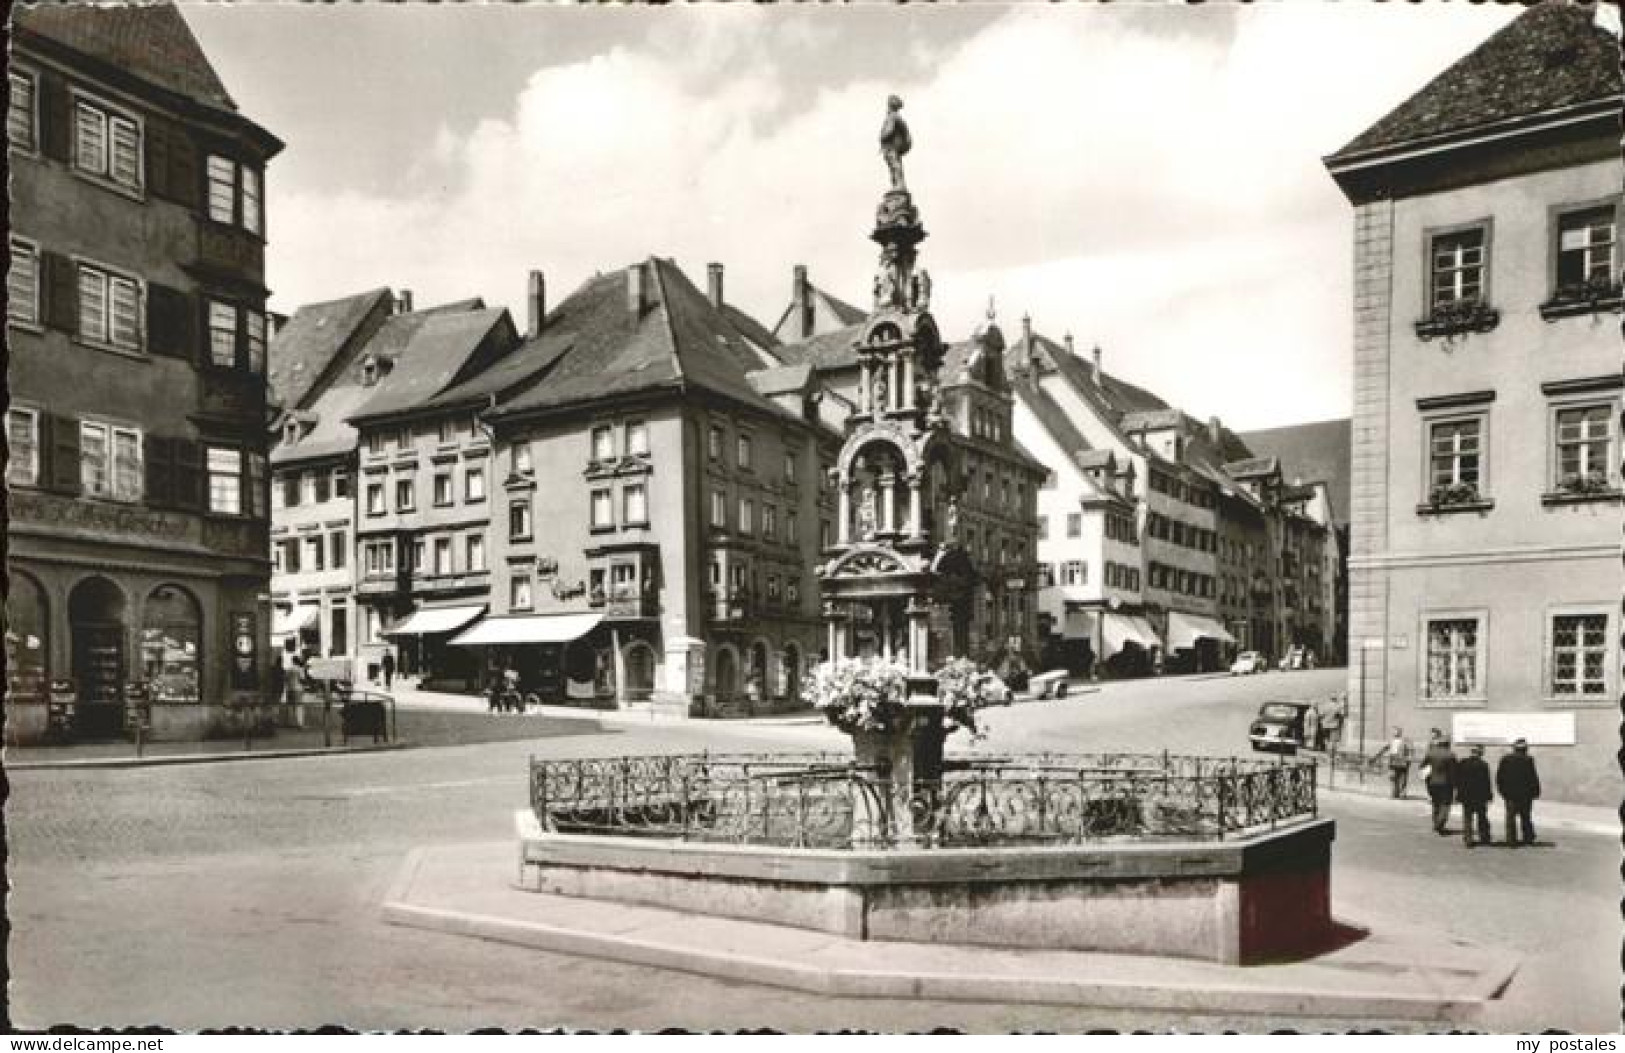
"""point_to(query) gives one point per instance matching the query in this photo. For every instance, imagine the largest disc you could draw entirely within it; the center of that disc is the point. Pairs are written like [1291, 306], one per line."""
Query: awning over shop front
[427, 620]
[530, 629]
[1185, 629]
[1120, 629]
[296, 620]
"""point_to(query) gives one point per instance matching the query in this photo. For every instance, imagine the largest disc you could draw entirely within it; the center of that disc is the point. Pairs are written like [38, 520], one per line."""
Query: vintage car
[1278, 728]
[1049, 685]
[1248, 662]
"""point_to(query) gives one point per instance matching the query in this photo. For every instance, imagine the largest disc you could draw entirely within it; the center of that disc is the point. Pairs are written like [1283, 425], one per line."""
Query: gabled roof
[1549, 58]
[829, 314]
[428, 350]
[679, 339]
[150, 41]
[781, 380]
[1313, 452]
[750, 328]
[836, 349]
[1252, 467]
[302, 350]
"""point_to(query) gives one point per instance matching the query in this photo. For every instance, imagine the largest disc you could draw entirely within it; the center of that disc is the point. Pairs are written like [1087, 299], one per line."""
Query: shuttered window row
[92, 458]
[146, 154]
[101, 306]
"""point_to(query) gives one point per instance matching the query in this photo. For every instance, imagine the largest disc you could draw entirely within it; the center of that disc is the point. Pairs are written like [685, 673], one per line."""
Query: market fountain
[1217, 858]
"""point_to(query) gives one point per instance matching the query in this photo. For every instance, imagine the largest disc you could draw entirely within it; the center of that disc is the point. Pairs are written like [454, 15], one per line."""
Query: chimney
[1215, 428]
[1027, 330]
[1097, 363]
[536, 304]
[801, 300]
[1071, 348]
[403, 302]
[713, 273]
[634, 290]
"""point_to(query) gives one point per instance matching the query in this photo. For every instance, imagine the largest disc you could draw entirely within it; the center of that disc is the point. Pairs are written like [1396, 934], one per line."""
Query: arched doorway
[792, 674]
[96, 622]
[640, 671]
[172, 645]
[725, 680]
[756, 679]
[27, 640]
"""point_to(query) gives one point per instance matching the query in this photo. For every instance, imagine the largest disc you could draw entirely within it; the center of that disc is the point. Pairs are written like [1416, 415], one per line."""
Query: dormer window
[290, 433]
[369, 371]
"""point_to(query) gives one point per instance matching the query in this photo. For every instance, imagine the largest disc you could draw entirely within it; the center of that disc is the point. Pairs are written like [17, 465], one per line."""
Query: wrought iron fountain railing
[827, 801]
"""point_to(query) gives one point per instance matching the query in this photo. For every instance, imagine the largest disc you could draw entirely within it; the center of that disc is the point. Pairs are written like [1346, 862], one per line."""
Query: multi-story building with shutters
[137, 335]
[1484, 598]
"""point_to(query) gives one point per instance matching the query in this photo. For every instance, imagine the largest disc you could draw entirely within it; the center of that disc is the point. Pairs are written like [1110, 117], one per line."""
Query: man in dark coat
[1439, 773]
[1518, 783]
[1474, 793]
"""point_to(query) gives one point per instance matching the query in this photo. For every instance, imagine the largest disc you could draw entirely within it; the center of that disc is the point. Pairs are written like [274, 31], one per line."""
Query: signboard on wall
[1502, 729]
[244, 650]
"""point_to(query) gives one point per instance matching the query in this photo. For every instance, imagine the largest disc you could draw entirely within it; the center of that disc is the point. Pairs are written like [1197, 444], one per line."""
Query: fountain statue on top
[897, 583]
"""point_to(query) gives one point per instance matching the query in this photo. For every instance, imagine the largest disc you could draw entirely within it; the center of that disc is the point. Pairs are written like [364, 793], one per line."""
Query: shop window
[171, 642]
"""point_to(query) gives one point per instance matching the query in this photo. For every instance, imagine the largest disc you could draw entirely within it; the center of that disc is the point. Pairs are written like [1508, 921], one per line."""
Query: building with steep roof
[1485, 482]
[136, 329]
[661, 502]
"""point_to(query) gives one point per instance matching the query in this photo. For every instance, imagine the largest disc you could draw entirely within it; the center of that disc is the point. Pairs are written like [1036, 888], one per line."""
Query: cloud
[1159, 191]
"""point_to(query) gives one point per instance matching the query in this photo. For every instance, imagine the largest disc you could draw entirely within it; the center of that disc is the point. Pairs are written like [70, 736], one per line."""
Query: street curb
[199, 758]
[859, 982]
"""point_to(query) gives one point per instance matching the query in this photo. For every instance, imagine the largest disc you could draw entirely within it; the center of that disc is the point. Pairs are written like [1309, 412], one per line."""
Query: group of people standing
[1466, 780]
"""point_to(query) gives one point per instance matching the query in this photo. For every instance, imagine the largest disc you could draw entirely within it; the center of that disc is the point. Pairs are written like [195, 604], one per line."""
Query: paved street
[246, 893]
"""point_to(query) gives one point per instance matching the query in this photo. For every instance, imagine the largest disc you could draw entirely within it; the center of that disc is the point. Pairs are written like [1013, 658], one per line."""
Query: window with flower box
[1586, 262]
[1458, 283]
[1455, 462]
[1583, 448]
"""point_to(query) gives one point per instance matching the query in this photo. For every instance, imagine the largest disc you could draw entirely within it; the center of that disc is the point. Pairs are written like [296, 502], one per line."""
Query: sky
[1146, 177]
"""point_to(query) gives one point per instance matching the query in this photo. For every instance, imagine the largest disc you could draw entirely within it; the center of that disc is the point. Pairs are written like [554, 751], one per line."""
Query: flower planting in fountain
[860, 694]
[963, 687]
[871, 694]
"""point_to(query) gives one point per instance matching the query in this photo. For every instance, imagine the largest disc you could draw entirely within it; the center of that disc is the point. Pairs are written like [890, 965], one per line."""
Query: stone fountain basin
[1261, 897]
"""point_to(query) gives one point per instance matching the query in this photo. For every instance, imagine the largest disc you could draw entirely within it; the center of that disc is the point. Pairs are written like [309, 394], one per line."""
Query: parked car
[1278, 728]
[1248, 662]
[1049, 685]
[1298, 657]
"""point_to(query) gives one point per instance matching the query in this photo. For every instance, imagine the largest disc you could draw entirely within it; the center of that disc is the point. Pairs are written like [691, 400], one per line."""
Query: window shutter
[183, 168]
[188, 475]
[158, 138]
[60, 281]
[169, 322]
[159, 457]
[64, 453]
[56, 117]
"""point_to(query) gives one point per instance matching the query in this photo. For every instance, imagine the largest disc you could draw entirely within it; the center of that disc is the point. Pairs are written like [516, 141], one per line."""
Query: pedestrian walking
[1398, 750]
[1331, 725]
[1311, 727]
[1518, 783]
[389, 670]
[1439, 776]
[1474, 793]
